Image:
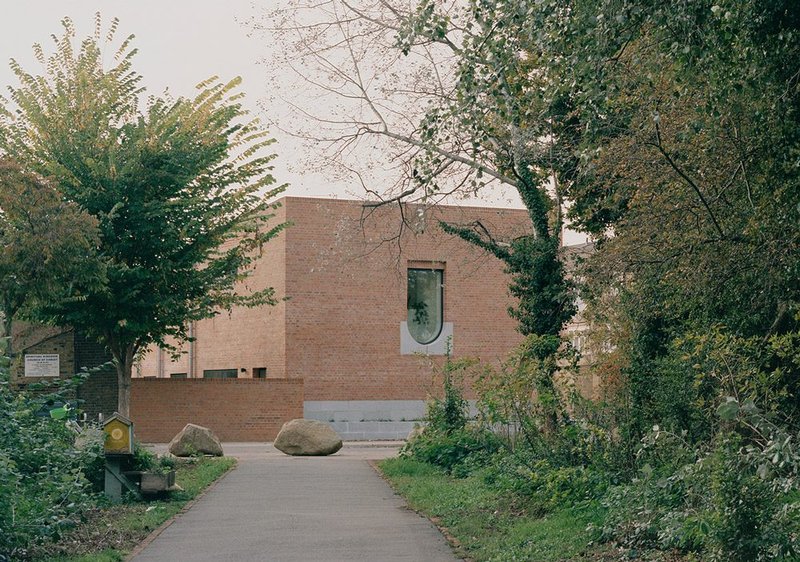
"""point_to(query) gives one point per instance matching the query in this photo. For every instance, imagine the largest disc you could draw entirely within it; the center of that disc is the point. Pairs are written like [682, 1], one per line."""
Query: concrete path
[301, 509]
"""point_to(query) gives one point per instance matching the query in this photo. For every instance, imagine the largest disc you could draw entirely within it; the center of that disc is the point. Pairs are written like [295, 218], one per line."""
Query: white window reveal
[424, 329]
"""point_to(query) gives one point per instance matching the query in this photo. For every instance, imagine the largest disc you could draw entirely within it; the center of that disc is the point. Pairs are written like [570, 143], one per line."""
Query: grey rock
[303, 437]
[195, 440]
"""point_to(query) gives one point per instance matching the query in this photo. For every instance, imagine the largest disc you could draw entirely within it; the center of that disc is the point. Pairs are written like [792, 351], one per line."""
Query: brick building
[62, 352]
[363, 295]
[367, 301]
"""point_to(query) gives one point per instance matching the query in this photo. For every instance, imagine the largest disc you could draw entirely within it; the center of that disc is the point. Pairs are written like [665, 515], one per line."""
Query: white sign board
[41, 365]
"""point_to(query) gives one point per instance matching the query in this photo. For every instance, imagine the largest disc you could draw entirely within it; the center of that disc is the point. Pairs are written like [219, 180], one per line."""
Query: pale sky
[181, 42]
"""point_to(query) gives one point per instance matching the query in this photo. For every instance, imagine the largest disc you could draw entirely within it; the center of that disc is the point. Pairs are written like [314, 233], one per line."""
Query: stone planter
[153, 482]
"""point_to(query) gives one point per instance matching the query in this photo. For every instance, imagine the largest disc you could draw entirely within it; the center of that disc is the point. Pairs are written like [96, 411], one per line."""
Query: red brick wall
[346, 277]
[343, 269]
[234, 409]
[248, 338]
[245, 338]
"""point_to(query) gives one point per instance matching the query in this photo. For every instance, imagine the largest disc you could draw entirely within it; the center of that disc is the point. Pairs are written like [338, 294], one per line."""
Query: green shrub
[94, 467]
[167, 463]
[43, 485]
[680, 388]
[447, 440]
[523, 395]
[44, 488]
[449, 413]
[143, 459]
[558, 488]
[458, 452]
[147, 461]
[764, 370]
[542, 486]
[735, 500]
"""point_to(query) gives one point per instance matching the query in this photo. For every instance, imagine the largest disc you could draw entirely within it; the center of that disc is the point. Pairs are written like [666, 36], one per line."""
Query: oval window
[425, 309]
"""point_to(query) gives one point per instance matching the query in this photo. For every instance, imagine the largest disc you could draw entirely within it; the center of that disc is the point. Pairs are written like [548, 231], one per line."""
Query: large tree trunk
[124, 365]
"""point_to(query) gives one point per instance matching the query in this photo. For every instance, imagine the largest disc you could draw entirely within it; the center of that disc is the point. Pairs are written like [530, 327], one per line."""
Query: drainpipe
[191, 350]
[160, 359]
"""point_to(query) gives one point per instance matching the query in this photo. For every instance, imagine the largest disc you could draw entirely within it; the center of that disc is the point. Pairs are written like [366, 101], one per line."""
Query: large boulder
[195, 440]
[307, 437]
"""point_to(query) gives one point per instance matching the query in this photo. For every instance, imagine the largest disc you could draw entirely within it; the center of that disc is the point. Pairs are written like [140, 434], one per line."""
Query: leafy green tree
[689, 180]
[672, 131]
[669, 131]
[443, 88]
[47, 245]
[476, 111]
[180, 191]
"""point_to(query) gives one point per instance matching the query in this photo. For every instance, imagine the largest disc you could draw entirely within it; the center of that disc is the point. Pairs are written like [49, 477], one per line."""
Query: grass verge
[111, 531]
[485, 526]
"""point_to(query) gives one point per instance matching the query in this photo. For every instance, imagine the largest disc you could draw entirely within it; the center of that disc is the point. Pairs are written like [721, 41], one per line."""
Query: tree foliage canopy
[180, 189]
[438, 86]
[689, 155]
[668, 132]
[48, 245]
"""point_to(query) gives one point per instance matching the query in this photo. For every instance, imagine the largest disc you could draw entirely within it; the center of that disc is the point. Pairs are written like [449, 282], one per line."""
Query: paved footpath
[277, 508]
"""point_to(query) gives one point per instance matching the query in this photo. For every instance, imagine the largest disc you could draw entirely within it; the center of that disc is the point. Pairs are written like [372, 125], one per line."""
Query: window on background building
[259, 372]
[177, 375]
[425, 304]
[219, 374]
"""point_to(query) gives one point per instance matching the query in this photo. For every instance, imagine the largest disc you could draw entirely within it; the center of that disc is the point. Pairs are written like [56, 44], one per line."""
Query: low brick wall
[234, 409]
[99, 394]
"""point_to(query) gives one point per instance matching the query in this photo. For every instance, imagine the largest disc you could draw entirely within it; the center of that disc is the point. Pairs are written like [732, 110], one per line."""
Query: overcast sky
[180, 43]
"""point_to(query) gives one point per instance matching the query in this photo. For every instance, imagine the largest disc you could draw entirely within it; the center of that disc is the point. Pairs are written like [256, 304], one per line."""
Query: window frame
[434, 267]
[220, 373]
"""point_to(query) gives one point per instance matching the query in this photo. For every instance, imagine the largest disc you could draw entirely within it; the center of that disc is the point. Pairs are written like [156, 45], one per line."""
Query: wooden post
[113, 487]
[118, 443]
